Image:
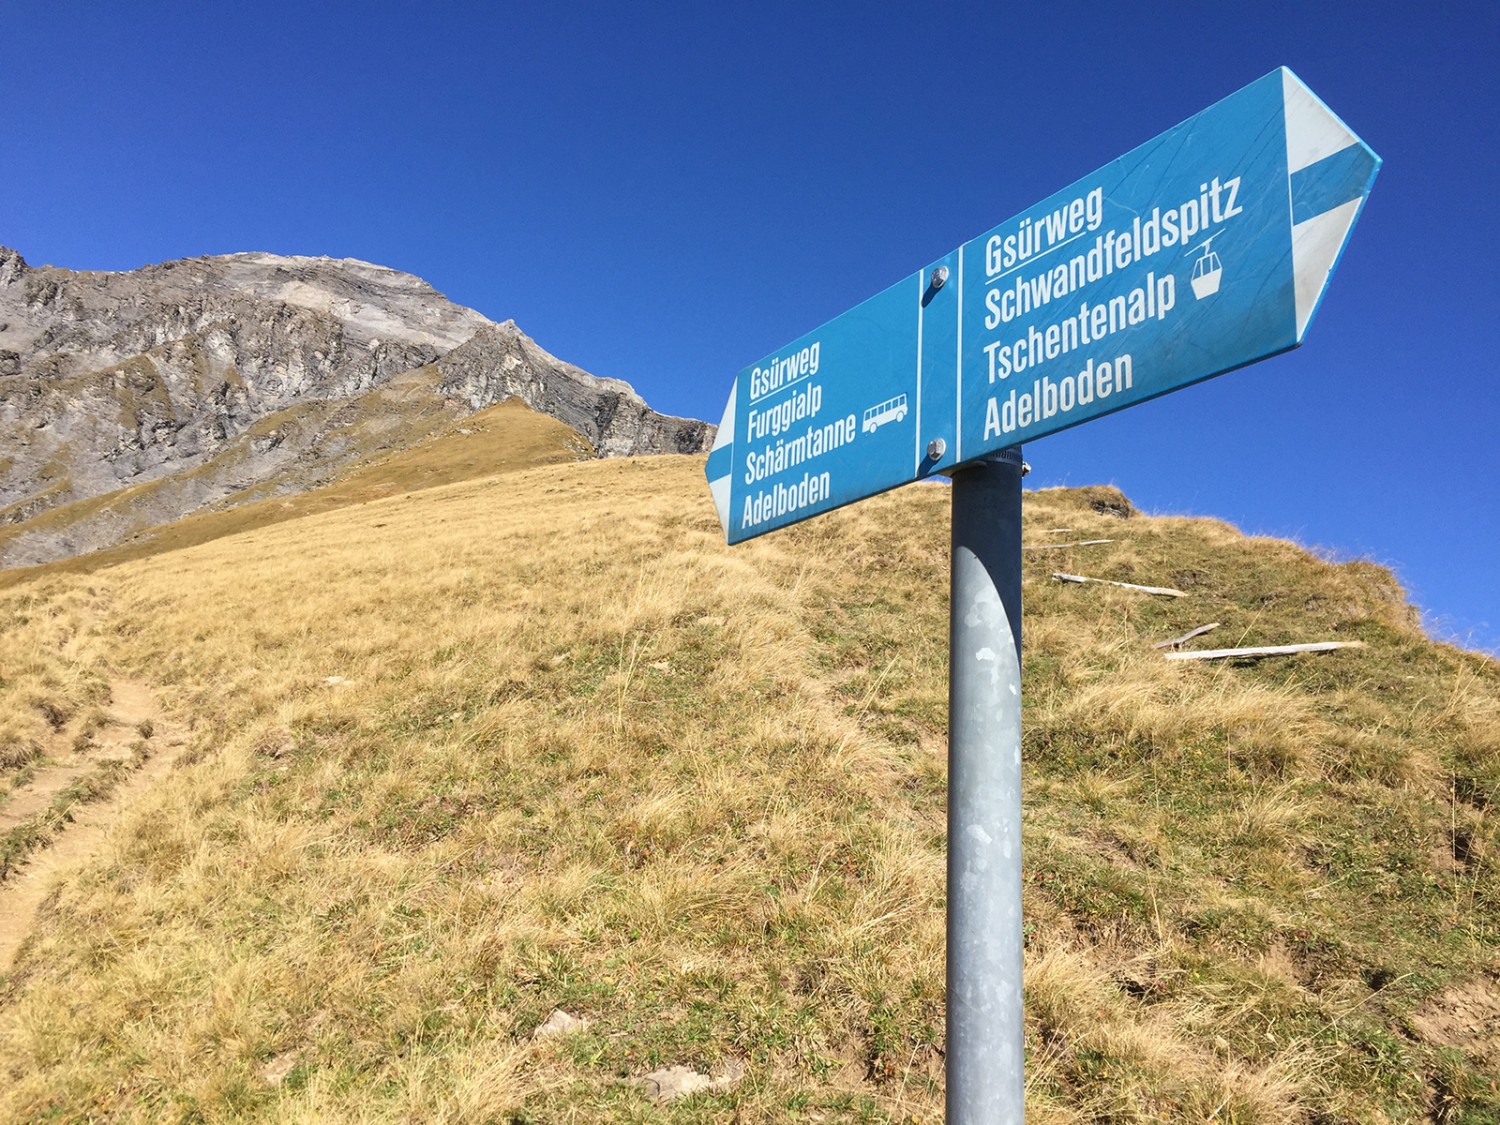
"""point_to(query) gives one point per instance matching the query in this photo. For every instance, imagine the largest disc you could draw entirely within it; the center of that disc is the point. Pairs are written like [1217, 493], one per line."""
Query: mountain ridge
[114, 379]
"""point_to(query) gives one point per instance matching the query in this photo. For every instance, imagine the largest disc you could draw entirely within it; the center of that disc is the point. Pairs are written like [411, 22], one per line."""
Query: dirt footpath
[136, 737]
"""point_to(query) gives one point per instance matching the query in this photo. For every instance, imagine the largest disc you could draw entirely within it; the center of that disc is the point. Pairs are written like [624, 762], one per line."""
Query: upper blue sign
[1201, 251]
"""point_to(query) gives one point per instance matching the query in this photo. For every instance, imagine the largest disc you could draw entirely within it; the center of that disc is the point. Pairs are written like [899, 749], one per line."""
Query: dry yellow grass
[465, 755]
[48, 672]
[497, 439]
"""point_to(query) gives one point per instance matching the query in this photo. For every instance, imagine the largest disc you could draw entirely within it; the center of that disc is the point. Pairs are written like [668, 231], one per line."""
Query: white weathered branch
[1060, 546]
[1164, 591]
[1269, 650]
[1176, 641]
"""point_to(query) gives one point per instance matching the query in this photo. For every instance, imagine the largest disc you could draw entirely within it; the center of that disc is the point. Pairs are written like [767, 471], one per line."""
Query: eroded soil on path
[92, 772]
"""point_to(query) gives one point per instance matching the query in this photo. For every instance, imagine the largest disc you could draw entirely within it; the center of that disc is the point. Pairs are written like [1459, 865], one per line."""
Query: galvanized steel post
[986, 1040]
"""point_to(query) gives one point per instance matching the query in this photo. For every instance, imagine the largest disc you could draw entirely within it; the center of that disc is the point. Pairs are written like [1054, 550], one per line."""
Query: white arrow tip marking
[1313, 131]
[725, 435]
[719, 490]
[1315, 247]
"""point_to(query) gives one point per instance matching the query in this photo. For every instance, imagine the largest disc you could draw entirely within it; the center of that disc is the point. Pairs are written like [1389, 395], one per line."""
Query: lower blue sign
[1198, 252]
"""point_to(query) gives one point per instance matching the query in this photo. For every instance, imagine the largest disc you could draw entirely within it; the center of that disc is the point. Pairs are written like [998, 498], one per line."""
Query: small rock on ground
[673, 1082]
[275, 1072]
[559, 1023]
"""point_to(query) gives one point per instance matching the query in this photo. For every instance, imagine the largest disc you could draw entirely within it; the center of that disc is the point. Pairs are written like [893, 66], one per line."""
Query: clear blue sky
[667, 192]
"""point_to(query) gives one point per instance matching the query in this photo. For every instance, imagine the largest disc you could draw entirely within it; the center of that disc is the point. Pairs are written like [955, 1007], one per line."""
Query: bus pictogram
[891, 410]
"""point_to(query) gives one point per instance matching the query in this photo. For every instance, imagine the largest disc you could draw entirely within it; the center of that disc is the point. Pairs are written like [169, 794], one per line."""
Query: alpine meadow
[375, 781]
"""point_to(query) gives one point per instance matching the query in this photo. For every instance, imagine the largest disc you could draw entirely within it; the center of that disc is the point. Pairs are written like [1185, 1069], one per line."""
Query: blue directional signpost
[1203, 250]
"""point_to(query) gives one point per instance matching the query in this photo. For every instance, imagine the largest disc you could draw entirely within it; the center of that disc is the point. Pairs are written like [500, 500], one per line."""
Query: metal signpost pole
[985, 1048]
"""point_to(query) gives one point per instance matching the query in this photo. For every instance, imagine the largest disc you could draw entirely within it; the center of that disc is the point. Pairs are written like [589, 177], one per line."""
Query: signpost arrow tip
[1330, 171]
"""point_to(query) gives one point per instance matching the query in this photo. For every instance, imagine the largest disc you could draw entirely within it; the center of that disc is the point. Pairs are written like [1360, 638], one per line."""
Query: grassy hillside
[496, 439]
[464, 756]
[370, 436]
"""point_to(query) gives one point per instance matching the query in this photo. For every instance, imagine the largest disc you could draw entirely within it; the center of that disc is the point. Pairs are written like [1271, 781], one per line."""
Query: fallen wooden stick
[1060, 546]
[1269, 650]
[1164, 591]
[1176, 641]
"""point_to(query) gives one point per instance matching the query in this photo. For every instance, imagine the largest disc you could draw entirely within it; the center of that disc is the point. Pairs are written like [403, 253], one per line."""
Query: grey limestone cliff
[500, 361]
[214, 375]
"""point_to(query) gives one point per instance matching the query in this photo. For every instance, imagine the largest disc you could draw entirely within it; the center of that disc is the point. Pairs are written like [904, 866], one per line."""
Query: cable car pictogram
[1207, 270]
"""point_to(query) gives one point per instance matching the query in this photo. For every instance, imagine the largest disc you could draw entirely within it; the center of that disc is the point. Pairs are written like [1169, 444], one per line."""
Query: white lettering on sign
[781, 499]
[1040, 340]
[781, 372]
[1048, 398]
[1044, 233]
[812, 442]
[1092, 323]
[1113, 250]
[804, 404]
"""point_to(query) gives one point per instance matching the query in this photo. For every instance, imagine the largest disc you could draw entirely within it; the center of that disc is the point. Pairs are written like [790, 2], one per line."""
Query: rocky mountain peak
[109, 379]
[12, 266]
[500, 361]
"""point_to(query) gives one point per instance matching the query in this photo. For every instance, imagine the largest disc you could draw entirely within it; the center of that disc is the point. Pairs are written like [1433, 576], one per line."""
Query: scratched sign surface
[1198, 252]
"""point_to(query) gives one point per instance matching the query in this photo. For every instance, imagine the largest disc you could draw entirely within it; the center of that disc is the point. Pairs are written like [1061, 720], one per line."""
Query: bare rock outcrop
[500, 361]
[110, 380]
